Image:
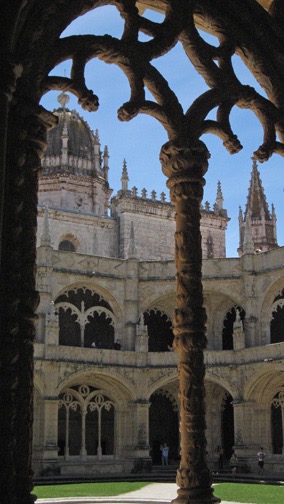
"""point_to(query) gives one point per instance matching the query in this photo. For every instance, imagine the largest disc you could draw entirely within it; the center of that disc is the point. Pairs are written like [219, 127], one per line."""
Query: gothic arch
[85, 317]
[160, 331]
[164, 300]
[277, 422]
[167, 382]
[266, 307]
[96, 288]
[31, 48]
[260, 391]
[262, 384]
[218, 317]
[120, 387]
[277, 319]
[219, 418]
[86, 422]
[163, 425]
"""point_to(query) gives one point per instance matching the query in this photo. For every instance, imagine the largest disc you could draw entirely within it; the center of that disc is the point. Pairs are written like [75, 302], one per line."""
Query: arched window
[85, 317]
[163, 425]
[159, 331]
[277, 319]
[228, 327]
[277, 422]
[66, 245]
[227, 425]
[85, 422]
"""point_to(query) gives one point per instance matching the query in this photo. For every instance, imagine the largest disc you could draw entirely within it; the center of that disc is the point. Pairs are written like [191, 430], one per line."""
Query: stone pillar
[185, 165]
[144, 463]
[52, 326]
[50, 441]
[131, 303]
[83, 452]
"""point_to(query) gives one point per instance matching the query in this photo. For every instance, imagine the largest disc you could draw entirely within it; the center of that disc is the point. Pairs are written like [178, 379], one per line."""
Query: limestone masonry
[106, 273]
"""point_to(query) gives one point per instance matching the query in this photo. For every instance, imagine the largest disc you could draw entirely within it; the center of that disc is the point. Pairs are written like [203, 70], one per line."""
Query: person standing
[261, 457]
[165, 454]
[117, 345]
[220, 453]
[233, 463]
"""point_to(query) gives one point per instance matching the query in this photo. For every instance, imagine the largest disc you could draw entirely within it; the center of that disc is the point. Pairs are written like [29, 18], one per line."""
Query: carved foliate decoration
[265, 59]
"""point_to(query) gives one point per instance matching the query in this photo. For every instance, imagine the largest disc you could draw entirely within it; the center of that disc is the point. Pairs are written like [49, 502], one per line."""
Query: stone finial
[207, 206]
[106, 156]
[124, 177]
[134, 191]
[248, 245]
[153, 195]
[106, 166]
[163, 197]
[144, 193]
[45, 239]
[96, 137]
[219, 196]
[63, 99]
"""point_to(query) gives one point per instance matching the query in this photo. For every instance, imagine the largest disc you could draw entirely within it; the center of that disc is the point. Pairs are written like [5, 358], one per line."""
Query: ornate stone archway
[30, 48]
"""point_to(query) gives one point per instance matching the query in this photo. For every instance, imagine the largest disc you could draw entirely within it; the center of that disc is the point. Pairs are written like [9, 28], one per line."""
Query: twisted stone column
[19, 300]
[185, 164]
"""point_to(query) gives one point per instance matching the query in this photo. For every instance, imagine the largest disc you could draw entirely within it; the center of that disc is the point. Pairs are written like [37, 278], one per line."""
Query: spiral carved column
[185, 166]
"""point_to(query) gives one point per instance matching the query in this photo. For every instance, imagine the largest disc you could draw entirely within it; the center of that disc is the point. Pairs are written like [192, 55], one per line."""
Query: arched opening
[277, 325]
[66, 245]
[159, 331]
[85, 422]
[163, 425]
[228, 327]
[277, 423]
[227, 425]
[85, 317]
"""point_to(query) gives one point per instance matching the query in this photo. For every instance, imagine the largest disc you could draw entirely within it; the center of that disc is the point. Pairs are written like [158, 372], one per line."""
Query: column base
[195, 496]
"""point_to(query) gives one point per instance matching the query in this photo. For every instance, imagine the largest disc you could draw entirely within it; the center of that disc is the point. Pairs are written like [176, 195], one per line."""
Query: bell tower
[257, 224]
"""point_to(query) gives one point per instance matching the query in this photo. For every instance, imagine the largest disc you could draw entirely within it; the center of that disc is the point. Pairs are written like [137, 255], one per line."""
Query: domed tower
[74, 173]
[257, 224]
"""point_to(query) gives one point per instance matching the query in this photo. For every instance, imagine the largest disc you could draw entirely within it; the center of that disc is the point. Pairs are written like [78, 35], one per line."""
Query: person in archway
[233, 463]
[261, 457]
[220, 453]
[165, 454]
[117, 345]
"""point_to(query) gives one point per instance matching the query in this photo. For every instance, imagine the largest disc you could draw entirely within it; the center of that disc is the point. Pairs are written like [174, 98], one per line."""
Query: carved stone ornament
[31, 32]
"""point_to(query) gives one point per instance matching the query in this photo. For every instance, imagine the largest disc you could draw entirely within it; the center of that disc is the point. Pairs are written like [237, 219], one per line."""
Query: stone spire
[219, 197]
[124, 177]
[97, 151]
[63, 99]
[106, 166]
[45, 239]
[131, 250]
[257, 225]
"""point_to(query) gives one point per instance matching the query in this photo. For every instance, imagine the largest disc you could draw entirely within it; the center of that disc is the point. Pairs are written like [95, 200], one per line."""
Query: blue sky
[139, 141]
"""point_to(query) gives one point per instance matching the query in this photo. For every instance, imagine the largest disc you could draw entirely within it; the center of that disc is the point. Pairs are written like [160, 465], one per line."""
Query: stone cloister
[30, 48]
